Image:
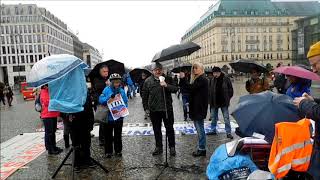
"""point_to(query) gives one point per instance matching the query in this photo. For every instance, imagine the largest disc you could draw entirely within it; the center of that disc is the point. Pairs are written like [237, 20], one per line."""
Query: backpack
[37, 104]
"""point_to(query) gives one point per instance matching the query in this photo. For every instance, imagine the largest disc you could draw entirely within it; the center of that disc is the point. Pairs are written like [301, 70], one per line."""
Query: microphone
[161, 78]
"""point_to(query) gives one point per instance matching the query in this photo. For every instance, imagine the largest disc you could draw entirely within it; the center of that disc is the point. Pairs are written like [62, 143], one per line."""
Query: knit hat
[156, 65]
[216, 69]
[314, 50]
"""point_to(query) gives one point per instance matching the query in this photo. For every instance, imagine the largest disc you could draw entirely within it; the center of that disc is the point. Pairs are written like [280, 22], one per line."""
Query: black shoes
[229, 136]
[101, 142]
[172, 151]
[199, 153]
[108, 155]
[118, 154]
[157, 151]
[212, 133]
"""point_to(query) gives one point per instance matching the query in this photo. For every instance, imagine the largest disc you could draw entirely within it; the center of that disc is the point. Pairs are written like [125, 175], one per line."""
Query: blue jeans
[185, 100]
[214, 118]
[131, 89]
[199, 125]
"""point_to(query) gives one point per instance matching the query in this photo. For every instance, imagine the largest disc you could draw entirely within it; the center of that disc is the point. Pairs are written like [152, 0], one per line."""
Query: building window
[31, 58]
[279, 29]
[19, 68]
[30, 9]
[34, 28]
[3, 49]
[22, 59]
[21, 49]
[13, 50]
[226, 57]
[268, 56]
[4, 60]
[30, 49]
[270, 29]
[13, 59]
[39, 48]
[40, 57]
[222, 57]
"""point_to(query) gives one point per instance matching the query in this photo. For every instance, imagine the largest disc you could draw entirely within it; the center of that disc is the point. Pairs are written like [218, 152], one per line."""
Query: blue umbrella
[52, 68]
[258, 113]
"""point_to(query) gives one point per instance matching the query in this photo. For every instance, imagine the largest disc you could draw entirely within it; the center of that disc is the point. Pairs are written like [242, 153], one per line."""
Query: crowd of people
[198, 94]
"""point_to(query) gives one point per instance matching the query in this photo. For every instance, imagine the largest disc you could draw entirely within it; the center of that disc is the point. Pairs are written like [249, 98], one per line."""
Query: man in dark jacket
[311, 108]
[160, 105]
[220, 94]
[185, 94]
[98, 85]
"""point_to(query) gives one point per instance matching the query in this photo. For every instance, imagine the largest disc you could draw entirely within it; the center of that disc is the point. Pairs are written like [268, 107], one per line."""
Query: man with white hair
[158, 101]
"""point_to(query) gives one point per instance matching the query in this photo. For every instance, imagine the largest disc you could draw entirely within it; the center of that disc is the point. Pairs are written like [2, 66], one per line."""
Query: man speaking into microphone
[157, 99]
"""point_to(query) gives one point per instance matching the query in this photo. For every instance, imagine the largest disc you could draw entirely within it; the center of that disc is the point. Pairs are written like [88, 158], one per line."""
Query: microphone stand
[166, 164]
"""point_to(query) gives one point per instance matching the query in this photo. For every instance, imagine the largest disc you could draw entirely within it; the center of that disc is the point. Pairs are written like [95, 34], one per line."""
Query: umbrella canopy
[176, 51]
[258, 113]
[297, 72]
[182, 68]
[246, 66]
[52, 68]
[113, 65]
[136, 73]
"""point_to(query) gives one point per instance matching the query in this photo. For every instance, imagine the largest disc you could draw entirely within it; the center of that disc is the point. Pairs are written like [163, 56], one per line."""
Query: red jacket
[44, 99]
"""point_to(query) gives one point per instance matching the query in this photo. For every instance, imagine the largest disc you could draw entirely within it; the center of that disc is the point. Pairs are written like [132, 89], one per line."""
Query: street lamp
[17, 52]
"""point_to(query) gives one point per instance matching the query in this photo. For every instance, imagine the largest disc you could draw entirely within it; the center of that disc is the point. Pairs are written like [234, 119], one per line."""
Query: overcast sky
[128, 31]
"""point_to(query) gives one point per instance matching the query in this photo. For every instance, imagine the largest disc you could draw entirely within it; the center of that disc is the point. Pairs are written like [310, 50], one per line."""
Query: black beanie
[216, 69]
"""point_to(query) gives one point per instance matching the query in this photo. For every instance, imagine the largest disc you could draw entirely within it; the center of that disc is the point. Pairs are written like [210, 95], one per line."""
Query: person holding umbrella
[298, 86]
[257, 84]
[99, 83]
[220, 94]
[311, 107]
[198, 105]
[158, 101]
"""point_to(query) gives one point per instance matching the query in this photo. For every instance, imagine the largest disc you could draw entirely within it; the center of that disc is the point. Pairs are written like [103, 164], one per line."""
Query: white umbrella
[52, 68]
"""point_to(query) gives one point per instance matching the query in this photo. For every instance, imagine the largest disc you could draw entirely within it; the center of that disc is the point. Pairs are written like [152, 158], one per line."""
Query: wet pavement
[136, 162]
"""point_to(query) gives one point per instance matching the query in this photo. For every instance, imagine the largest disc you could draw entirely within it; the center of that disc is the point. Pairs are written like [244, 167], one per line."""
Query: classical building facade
[91, 55]
[306, 32]
[249, 29]
[28, 34]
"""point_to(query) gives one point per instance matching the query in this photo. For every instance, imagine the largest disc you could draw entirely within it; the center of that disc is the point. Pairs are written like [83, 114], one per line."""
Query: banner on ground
[117, 107]
[20, 150]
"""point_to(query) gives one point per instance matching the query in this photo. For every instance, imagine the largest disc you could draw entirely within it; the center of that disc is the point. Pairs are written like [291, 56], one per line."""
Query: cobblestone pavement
[137, 161]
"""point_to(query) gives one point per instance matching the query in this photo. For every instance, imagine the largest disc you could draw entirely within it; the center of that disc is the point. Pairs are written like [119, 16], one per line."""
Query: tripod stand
[71, 151]
[166, 164]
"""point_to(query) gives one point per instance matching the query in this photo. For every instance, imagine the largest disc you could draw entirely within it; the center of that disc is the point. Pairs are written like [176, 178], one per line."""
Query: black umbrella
[176, 51]
[182, 68]
[113, 65]
[246, 66]
[136, 74]
[258, 113]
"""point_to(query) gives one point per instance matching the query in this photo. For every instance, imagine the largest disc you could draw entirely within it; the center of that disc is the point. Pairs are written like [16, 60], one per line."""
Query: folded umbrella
[182, 68]
[258, 113]
[113, 65]
[297, 72]
[176, 51]
[52, 68]
[136, 73]
[246, 66]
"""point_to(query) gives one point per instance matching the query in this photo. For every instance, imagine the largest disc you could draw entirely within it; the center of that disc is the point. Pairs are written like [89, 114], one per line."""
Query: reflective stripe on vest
[290, 149]
[296, 162]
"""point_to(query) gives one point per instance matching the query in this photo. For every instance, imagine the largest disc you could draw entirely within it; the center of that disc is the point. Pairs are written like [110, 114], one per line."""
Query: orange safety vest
[291, 148]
